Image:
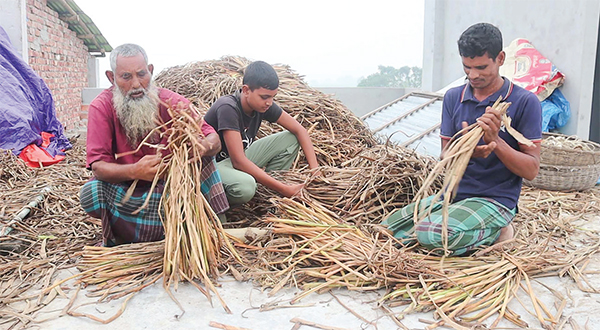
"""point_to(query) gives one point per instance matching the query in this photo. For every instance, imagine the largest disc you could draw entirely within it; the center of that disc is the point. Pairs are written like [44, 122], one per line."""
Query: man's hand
[211, 144]
[146, 168]
[291, 191]
[490, 122]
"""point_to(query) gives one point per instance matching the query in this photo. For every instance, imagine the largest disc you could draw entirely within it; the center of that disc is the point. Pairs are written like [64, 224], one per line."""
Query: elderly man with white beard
[119, 118]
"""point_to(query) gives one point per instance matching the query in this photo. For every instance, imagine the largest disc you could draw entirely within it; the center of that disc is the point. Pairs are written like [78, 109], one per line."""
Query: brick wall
[60, 58]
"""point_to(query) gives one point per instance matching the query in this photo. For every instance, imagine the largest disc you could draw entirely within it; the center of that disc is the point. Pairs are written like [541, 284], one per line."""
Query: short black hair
[260, 74]
[479, 39]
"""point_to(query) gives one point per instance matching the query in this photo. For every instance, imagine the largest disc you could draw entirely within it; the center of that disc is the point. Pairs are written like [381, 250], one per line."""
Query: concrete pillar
[13, 19]
[583, 84]
[93, 71]
[433, 46]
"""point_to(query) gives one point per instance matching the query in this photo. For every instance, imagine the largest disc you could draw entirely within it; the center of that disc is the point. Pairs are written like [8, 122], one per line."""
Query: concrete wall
[13, 20]
[361, 100]
[563, 31]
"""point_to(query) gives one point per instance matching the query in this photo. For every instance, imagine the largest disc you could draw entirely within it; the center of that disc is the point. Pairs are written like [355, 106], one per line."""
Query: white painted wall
[566, 32]
[13, 19]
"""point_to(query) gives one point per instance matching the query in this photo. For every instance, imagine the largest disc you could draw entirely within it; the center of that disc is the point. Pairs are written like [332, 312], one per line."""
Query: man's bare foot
[506, 236]
[506, 233]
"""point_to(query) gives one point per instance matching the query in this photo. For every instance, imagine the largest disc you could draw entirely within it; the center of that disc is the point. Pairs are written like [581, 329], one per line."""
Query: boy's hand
[316, 172]
[291, 190]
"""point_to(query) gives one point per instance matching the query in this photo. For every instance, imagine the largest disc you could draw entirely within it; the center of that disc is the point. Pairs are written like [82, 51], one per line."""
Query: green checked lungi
[102, 200]
[472, 222]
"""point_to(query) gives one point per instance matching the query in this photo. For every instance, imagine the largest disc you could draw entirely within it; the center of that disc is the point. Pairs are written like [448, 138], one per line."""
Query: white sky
[331, 43]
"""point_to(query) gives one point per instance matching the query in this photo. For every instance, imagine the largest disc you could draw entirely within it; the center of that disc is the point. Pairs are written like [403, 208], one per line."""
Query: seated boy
[237, 118]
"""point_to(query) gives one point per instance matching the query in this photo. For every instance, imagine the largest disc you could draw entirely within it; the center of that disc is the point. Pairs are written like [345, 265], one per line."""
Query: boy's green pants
[273, 153]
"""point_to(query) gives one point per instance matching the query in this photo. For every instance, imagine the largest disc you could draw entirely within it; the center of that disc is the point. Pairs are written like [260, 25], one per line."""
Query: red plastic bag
[35, 156]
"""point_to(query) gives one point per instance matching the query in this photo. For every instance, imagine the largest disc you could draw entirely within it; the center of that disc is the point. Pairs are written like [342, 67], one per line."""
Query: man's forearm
[113, 173]
[523, 164]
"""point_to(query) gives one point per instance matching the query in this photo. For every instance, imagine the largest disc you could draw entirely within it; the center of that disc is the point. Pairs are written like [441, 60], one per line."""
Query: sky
[331, 43]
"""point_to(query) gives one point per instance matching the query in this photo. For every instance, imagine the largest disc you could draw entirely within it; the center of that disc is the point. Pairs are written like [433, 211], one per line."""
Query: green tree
[388, 76]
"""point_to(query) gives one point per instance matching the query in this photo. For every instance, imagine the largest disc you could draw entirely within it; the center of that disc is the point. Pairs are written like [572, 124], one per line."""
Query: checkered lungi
[102, 200]
[472, 222]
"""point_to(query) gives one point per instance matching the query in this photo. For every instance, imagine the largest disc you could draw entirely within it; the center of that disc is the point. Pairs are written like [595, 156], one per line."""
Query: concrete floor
[154, 309]
[251, 308]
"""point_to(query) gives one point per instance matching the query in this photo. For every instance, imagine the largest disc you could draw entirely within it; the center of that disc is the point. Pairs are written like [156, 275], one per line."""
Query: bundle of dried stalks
[336, 132]
[194, 237]
[367, 187]
[311, 246]
[117, 271]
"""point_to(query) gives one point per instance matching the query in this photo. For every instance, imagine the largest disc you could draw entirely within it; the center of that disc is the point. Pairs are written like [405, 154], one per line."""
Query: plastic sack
[556, 111]
[528, 68]
[35, 156]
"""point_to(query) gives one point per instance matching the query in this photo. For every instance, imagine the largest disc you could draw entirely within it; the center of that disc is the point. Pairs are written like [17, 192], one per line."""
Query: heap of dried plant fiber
[313, 248]
[47, 240]
[365, 189]
[337, 134]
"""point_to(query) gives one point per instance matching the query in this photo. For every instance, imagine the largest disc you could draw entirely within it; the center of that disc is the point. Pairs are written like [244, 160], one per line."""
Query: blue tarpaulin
[26, 105]
[556, 111]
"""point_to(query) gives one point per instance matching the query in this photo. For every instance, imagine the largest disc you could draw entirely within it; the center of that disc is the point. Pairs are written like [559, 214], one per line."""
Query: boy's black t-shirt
[227, 114]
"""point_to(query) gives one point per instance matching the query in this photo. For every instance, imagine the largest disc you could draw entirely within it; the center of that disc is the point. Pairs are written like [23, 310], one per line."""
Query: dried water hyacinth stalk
[366, 189]
[454, 163]
[13, 169]
[194, 237]
[313, 248]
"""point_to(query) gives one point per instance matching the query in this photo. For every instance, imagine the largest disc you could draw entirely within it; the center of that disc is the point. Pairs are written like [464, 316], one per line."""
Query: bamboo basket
[563, 156]
[565, 178]
[567, 168]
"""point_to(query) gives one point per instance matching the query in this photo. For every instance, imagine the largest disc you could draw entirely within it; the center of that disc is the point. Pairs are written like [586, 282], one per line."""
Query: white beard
[137, 116]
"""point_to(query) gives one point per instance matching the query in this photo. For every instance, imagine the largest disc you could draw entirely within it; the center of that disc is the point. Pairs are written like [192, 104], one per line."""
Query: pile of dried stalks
[312, 246]
[314, 249]
[337, 133]
[365, 189]
[46, 241]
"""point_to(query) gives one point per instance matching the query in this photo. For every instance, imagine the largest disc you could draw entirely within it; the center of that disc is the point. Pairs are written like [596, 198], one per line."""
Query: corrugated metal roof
[412, 121]
[83, 25]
